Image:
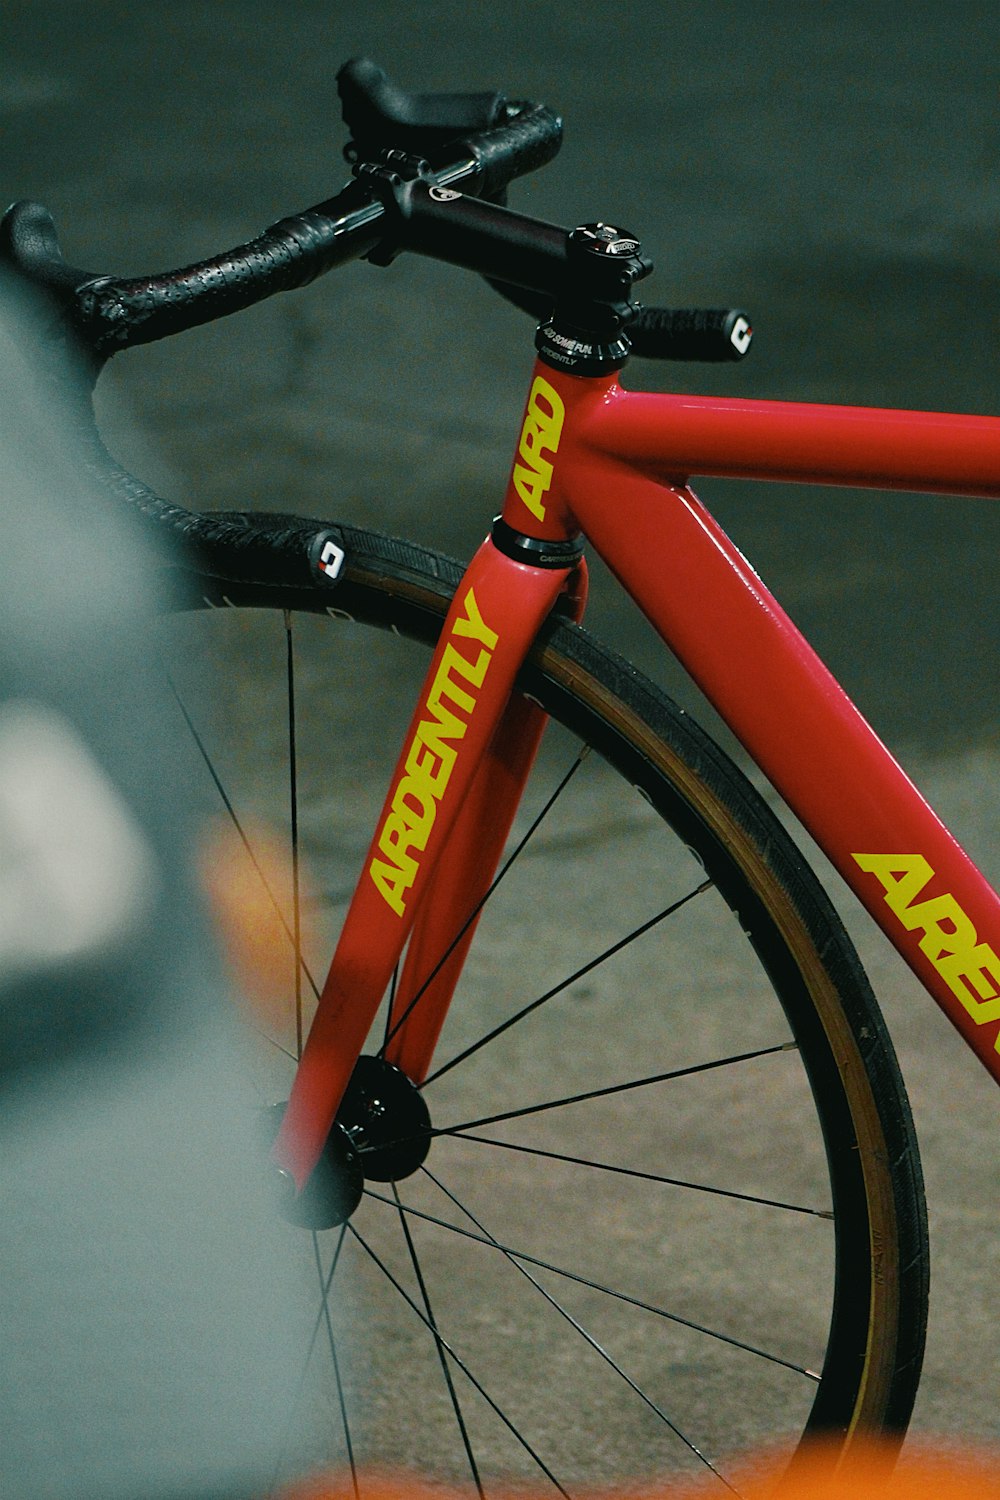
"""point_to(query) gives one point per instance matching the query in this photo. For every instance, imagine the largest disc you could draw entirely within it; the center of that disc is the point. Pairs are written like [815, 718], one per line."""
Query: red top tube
[860, 446]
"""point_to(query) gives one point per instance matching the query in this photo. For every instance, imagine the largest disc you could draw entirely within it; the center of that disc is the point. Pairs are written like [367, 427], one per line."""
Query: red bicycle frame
[614, 465]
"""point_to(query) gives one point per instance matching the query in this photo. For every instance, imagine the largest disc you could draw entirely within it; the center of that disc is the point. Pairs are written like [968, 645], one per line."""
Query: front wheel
[671, 1209]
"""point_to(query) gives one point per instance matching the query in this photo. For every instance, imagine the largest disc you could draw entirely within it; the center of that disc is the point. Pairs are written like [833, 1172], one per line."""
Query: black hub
[335, 1185]
[382, 1132]
[385, 1116]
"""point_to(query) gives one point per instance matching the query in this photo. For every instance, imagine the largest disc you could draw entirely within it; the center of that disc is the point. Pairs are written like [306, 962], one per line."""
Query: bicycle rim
[673, 1211]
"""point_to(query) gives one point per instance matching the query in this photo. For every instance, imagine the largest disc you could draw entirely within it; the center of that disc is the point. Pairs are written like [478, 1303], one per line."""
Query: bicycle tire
[876, 1308]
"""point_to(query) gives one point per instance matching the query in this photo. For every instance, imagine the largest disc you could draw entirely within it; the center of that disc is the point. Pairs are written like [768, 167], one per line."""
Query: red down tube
[804, 732]
[483, 644]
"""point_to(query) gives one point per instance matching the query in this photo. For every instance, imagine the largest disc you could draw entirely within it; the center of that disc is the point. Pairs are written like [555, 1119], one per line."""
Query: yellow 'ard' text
[543, 423]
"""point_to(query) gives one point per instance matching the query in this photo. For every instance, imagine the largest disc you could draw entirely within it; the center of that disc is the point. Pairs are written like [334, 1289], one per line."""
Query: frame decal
[970, 969]
[542, 429]
[431, 756]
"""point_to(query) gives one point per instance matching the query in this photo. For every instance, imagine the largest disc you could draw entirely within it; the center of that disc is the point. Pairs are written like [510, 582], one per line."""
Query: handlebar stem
[588, 273]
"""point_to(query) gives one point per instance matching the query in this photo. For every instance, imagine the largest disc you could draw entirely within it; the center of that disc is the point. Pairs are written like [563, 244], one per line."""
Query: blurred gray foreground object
[144, 1351]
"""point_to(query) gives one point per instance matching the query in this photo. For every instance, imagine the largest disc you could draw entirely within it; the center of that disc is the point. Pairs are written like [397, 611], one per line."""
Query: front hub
[386, 1119]
[382, 1133]
[333, 1190]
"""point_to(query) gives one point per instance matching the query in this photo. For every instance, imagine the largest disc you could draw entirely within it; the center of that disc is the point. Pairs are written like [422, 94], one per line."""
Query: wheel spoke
[445, 1370]
[604, 1166]
[293, 809]
[574, 1323]
[325, 1285]
[514, 1431]
[323, 1314]
[617, 1088]
[565, 983]
[394, 981]
[241, 831]
[597, 1286]
[581, 756]
[271, 1041]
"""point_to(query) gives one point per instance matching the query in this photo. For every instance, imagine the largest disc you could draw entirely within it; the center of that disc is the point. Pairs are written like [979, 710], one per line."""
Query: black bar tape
[709, 334]
[115, 314]
[520, 146]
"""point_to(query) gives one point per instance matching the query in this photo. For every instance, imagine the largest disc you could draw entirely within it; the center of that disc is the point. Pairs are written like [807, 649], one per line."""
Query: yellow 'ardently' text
[543, 424]
[970, 969]
[431, 755]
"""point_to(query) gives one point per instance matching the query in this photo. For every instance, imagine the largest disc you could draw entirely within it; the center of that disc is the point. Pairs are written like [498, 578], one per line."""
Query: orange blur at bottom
[871, 1474]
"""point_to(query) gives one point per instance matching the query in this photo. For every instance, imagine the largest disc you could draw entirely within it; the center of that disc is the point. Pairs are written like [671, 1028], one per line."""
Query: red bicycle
[626, 1179]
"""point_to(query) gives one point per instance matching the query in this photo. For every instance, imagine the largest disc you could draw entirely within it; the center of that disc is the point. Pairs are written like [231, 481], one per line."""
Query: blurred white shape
[77, 875]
